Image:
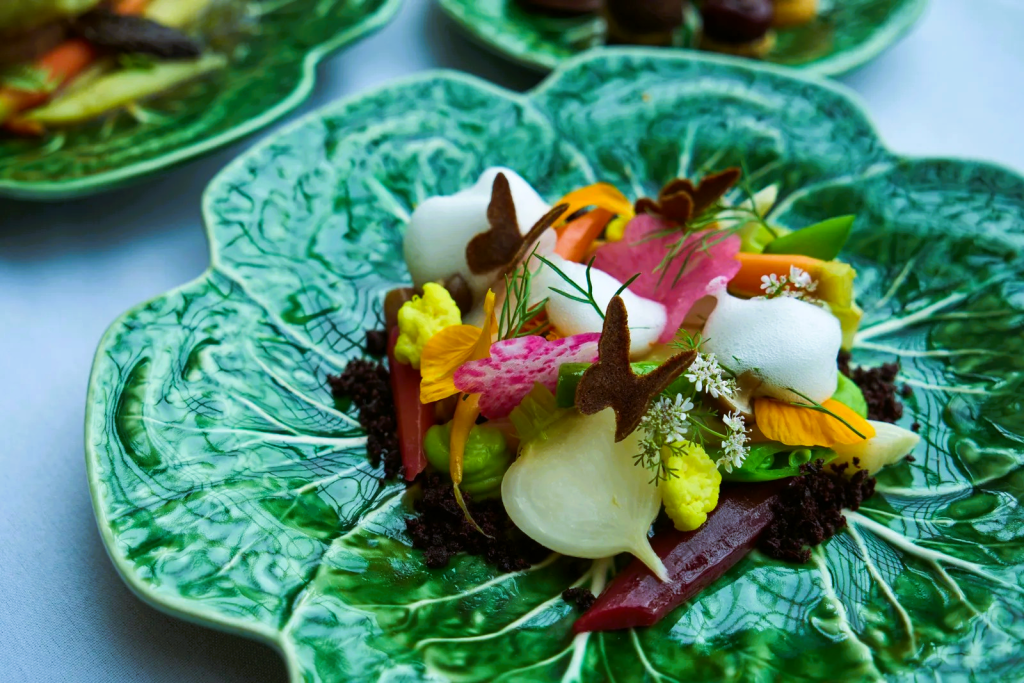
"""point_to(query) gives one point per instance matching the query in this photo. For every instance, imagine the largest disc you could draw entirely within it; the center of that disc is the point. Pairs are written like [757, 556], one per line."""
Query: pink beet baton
[693, 559]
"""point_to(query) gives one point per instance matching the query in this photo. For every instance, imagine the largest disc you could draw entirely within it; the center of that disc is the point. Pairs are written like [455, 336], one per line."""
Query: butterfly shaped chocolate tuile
[503, 246]
[680, 200]
[611, 382]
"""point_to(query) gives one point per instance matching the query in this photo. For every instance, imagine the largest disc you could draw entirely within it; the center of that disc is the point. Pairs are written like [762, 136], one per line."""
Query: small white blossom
[734, 446]
[707, 376]
[668, 418]
[771, 285]
[797, 285]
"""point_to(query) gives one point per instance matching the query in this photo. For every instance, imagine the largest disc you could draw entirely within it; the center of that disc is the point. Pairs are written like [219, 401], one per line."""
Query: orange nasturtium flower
[603, 196]
[449, 349]
[797, 426]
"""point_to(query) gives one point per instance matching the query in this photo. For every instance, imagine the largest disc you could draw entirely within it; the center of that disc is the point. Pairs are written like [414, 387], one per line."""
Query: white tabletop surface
[953, 87]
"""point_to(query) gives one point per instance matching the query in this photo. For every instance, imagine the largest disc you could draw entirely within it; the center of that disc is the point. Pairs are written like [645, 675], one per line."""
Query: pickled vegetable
[693, 559]
[414, 418]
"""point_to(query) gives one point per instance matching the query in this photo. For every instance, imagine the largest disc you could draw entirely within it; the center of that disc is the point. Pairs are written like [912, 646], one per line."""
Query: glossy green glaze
[272, 70]
[847, 33]
[231, 490]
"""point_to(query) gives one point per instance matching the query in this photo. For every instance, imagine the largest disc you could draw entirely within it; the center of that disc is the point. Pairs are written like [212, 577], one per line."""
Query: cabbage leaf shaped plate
[847, 33]
[231, 490]
[272, 70]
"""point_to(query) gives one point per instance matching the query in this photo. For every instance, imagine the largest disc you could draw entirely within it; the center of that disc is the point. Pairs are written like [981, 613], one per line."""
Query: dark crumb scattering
[442, 531]
[916, 427]
[810, 510]
[376, 343]
[910, 458]
[367, 384]
[582, 598]
[879, 388]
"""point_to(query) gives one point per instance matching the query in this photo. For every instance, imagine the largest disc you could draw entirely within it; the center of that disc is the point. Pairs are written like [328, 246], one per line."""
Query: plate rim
[48, 190]
[196, 612]
[835, 65]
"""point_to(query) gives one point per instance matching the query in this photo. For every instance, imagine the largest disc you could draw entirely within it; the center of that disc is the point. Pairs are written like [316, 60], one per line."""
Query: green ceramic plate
[846, 35]
[232, 491]
[272, 71]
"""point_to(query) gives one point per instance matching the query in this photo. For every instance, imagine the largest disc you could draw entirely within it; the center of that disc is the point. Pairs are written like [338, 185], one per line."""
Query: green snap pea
[822, 240]
[773, 460]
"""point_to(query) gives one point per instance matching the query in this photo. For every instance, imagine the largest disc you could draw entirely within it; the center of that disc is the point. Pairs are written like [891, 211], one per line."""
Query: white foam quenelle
[647, 318]
[577, 492]
[441, 228]
[788, 344]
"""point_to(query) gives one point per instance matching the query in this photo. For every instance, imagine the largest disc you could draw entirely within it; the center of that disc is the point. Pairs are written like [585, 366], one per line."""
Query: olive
[736, 21]
[647, 16]
[562, 7]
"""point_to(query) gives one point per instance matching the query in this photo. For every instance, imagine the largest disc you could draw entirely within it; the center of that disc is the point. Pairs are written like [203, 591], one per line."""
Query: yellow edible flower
[422, 318]
[448, 349]
[602, 196]
[693, 492]
[795, 425]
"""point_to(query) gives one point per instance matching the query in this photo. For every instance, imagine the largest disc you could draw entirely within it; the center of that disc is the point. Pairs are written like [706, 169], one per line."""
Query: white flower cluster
[798, 285]
[665, 422]
[668, 418]
[707, 376]
[734, 446]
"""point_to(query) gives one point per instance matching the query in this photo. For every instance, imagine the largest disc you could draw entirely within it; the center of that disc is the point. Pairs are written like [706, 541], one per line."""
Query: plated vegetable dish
[667, 379]
[64, 62]
[740, 27]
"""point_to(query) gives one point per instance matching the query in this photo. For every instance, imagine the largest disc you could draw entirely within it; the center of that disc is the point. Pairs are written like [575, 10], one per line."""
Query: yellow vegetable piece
[693, 492]
[421, 318]
[798, 426]
[616, 230]
[444, 352]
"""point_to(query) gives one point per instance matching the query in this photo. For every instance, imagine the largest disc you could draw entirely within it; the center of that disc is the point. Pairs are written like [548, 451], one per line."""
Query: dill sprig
[583, 296]
[735, 219]
[516, 311]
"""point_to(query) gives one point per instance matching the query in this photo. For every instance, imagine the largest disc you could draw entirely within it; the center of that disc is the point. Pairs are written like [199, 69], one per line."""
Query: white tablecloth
[954, 87]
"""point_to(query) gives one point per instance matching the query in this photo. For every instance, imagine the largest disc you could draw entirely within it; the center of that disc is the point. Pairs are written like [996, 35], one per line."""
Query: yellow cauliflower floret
[693, 492]
[421, 318]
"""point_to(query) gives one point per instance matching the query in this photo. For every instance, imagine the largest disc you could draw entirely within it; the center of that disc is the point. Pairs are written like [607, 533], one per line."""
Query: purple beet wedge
[693, 559]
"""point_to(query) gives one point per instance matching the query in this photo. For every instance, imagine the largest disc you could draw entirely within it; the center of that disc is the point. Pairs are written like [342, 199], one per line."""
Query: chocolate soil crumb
[441, 530]
[367, 384]
[879, 388]
[810, 510]
[376, 343]
[581, 597]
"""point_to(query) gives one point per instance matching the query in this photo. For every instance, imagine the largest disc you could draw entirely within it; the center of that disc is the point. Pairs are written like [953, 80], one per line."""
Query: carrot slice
[575, 238]
[754, 266]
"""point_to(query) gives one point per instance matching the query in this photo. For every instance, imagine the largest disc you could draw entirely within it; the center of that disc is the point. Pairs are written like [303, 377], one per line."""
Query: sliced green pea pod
[850, 395]
[570, 374]
[122, 87]
[485, 461]
[822, 240]
[773, 460]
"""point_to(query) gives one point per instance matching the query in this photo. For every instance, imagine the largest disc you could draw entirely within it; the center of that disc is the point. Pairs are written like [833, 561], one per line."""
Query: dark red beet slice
[693, 559]
[414, 418]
